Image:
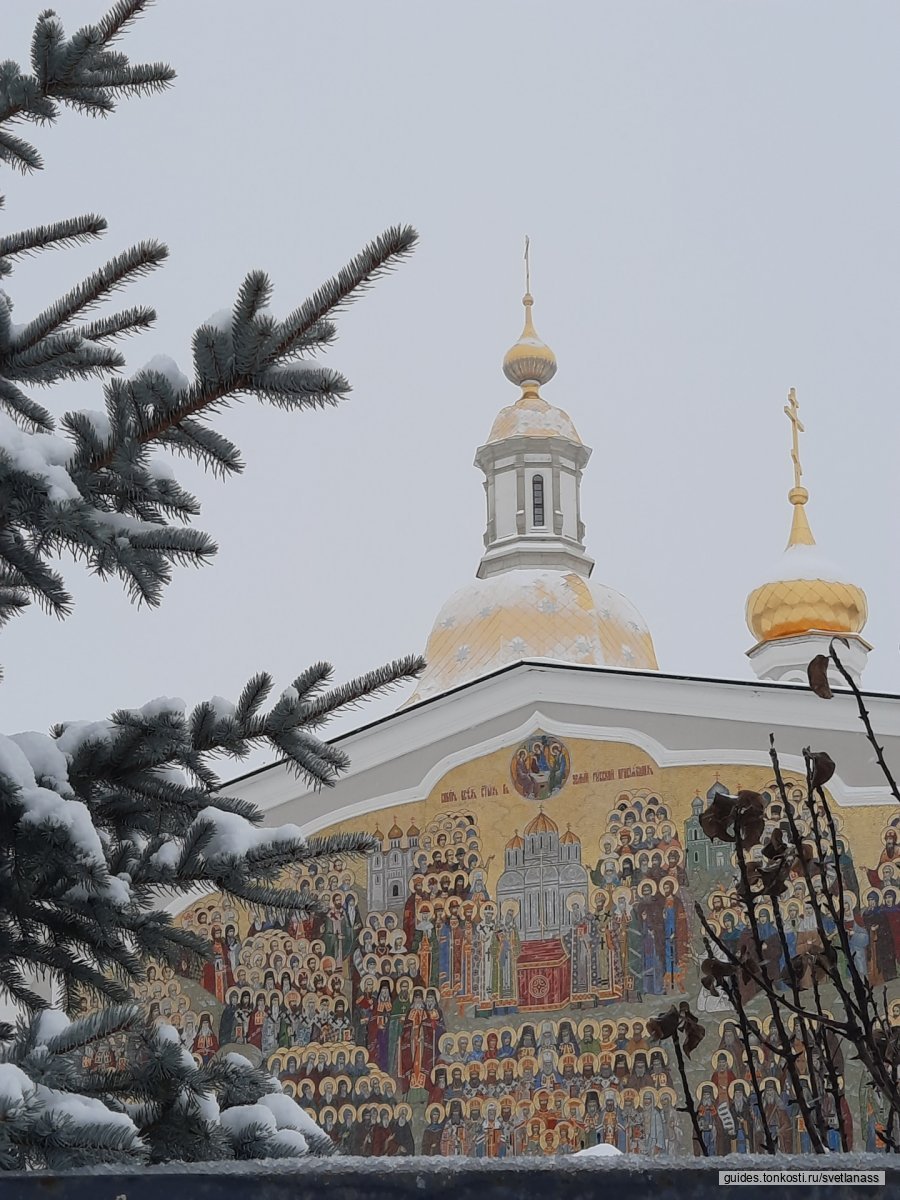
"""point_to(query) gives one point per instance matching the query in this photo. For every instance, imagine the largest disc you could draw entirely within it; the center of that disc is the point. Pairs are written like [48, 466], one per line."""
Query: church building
[485, 975]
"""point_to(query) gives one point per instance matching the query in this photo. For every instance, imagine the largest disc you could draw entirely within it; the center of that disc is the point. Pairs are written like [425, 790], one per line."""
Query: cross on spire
[792, 409]
[527, 264]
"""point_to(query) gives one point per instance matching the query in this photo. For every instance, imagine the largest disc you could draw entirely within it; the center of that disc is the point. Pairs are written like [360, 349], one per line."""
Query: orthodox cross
[792, 409]
[527, 263]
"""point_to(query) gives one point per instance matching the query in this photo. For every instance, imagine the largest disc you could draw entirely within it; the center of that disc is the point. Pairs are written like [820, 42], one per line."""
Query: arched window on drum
[537, 499]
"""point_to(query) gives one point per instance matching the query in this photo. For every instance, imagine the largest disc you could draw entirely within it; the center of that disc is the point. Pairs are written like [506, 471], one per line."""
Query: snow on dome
[529, 614]
[533, 417]
[803, 562]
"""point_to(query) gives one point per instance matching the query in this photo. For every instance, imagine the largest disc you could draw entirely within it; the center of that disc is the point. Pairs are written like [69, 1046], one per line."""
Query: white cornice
[662, 756]
[707, 714]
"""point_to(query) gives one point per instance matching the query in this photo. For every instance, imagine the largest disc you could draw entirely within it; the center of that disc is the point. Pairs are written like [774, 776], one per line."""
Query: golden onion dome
[413, 830]
[807, 594]
[395, 831]
[530, 360]
[569, 838]
[541, 824]
[515, 842]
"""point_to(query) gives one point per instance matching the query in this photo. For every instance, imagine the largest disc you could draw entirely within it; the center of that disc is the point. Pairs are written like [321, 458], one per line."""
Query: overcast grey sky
[711, 188]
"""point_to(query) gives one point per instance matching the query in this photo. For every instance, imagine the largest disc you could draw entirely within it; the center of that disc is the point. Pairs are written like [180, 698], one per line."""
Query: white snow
[15, 1090]
[162, 704]
[46, 807]
[118, 888]
[290, 693]
[76, 733]
[99, 420]
[42, 455]
[168, 854]
[47, 760]
[235, 835]
[221, 707]
[238, 1060]
[290, 1141]
[82, 1110]
[204, 1102]
[601, 1151]
[159, 468]
[163, 365]
[14, 764]
[222, 320]
[208, 1105]
[287, 1112]
[240, 1118]
[168, 1033]
[804, 562]
[43, 806]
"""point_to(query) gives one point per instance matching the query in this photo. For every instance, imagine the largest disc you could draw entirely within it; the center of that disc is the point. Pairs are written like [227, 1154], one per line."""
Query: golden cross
[527, 263]
[792, 409]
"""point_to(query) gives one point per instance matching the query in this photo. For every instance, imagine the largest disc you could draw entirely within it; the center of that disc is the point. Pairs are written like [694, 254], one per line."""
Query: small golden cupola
[529, 364]
[541, 824]
[805, 603]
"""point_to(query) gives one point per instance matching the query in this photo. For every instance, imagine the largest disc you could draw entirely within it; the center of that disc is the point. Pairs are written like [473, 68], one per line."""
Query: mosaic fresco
[480, 984]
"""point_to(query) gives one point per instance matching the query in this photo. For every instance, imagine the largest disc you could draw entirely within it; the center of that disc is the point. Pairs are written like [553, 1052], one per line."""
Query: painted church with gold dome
[481, 982]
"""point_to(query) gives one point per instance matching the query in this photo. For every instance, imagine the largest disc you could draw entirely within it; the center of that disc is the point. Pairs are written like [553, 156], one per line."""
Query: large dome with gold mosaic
[533, 597]
[522, 614]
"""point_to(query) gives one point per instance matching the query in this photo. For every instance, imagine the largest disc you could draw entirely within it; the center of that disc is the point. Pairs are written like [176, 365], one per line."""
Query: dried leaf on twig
[750, 818]
[821, 767]
[716, 822]
[694, 1033]
[664, 1025]
[817, 673]
[713, 971]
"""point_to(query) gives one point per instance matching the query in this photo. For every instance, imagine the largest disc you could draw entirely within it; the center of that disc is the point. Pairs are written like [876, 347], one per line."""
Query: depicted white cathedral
[390, 868]
[543, 876]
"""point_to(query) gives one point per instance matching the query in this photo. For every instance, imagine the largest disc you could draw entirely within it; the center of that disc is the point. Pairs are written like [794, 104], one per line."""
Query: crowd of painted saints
[428, 1010]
